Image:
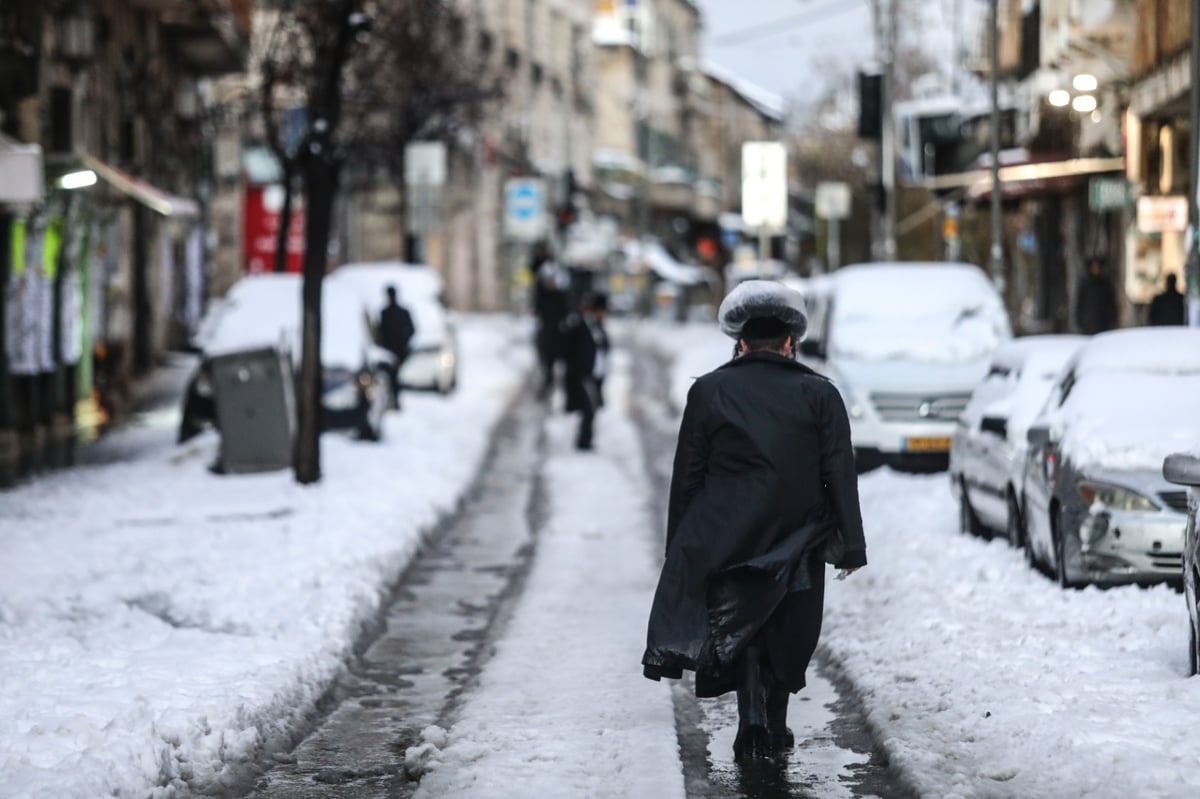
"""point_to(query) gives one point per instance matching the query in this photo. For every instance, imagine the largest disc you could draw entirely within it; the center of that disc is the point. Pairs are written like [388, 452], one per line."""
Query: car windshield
[932, 314]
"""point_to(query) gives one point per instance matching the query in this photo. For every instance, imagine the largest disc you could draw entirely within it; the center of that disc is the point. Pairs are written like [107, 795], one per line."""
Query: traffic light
[870, 106]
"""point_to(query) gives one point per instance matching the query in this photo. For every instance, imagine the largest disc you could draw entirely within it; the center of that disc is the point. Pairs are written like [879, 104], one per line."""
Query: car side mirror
[1038, 437]
[812, 349]
[1182, 469]
[996, 425]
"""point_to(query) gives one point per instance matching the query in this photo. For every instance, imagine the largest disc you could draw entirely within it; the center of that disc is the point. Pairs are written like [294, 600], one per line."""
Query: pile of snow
[936, 313]
[562, 708]
[162, 627]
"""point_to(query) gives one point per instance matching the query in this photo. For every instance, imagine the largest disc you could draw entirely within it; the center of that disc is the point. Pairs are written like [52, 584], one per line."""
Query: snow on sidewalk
[982, 677]
[562, 709]
[161, 626]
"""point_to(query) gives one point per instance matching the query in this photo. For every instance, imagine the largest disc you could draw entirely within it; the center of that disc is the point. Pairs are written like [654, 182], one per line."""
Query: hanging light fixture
[1085, 82]
[1084, 103]
[1059, 98]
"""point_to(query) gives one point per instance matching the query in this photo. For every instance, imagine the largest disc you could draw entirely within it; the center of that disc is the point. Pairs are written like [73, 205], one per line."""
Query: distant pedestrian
[587, 356]
[1168, 308]
[764, 474]
[550, 305]
[1096, 301]
[396, 331]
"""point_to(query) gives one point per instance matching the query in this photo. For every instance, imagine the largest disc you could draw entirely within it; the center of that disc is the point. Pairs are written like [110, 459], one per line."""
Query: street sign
[764, 186]
[425, 163]
[524, 209]
[832, 200]
[1159, 214]
[1108, 194]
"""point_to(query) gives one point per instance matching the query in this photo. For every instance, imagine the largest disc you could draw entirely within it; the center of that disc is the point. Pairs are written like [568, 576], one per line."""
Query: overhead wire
[763, 30]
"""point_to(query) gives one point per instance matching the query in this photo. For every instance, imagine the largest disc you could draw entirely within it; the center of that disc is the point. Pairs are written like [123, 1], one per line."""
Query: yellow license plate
[931, 444]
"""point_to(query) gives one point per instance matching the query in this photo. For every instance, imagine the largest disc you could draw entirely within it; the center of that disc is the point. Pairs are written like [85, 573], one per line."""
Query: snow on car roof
[1113, 422]
[928, 312]
[418, 288]
[1168, 350]
[1013, 355]
[265, 311]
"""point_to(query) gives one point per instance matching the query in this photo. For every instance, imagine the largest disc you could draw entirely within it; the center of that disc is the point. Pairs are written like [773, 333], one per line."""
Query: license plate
[930, 444]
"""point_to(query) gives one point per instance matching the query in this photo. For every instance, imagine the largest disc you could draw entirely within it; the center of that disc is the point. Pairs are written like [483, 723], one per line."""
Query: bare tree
[371, 76]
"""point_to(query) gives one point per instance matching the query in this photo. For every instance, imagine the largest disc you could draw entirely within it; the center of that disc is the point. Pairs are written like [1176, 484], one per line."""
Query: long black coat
[764, 470]
[584, 342]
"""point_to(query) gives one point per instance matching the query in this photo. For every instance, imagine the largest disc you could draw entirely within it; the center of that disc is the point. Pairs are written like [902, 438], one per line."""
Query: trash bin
[255, 405]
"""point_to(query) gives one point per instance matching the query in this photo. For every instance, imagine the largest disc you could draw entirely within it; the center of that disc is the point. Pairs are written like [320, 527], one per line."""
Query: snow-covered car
[906, 344]
[1095, 506]
[987, 455]
[1184, 469]
[432, 363]
[265, 311]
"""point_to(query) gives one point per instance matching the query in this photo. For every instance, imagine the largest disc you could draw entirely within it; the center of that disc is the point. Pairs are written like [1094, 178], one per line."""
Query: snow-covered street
[167, 632]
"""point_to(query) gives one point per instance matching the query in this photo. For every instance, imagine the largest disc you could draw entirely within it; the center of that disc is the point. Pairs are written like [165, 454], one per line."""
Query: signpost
[524, 209]
[833, 203]
[764, 191]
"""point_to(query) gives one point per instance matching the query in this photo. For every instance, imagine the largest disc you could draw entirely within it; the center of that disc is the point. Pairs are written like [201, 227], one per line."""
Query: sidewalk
[162, 627]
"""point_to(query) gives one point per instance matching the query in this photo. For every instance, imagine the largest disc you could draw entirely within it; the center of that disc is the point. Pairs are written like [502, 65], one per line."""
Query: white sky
[838, 34]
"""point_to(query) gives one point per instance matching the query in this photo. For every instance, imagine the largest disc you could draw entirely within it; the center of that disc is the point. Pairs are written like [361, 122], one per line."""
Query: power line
[783, 24]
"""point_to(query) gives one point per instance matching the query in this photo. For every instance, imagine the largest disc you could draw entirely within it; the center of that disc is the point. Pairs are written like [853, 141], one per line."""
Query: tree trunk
[285, 218]
[320, 181]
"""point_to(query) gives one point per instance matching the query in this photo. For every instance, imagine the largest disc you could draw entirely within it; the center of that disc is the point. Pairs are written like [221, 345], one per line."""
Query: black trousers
[587, 413]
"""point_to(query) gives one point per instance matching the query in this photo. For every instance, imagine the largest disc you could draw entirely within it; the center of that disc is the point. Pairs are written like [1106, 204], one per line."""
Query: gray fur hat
[763, 299]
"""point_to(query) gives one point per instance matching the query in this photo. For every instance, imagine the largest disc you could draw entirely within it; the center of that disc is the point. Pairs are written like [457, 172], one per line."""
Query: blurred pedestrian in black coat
[1168, 308]
[587, 356]
[764, 472]
[550, 306]
[396, 331]
[1095, 301]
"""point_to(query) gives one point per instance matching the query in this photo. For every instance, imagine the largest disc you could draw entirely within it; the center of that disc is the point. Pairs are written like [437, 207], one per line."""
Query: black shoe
[782, 741]
[752, 743]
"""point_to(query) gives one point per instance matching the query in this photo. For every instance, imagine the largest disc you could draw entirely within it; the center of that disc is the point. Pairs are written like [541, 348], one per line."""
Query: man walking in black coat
[764, 476]
[550, 305]
[396, 331]
[1095, 301]
[587, 365]
[1168, 308]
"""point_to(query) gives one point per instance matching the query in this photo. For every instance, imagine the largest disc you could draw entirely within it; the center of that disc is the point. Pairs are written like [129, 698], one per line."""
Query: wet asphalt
[450, 606]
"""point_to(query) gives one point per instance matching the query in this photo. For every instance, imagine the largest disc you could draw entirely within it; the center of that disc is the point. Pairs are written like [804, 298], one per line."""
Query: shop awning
[152, 197]
[1024, 178]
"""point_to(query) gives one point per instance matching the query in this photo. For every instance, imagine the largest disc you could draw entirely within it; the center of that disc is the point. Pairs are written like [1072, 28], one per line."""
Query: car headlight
[204, 384]
[341, 391]
[1113, 497]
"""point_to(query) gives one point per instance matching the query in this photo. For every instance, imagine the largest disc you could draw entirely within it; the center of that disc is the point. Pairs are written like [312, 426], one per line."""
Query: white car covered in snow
[987, 456]
[906, 344]
[1183, 469]
[433, 359]
[1096, 508]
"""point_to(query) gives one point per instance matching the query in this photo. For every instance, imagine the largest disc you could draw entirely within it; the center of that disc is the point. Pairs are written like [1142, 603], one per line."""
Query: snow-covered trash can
[256, 410]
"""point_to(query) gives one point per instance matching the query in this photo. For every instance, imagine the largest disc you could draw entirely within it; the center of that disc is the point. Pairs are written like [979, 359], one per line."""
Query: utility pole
[1193, 261]
[888, 144]
[996, 262]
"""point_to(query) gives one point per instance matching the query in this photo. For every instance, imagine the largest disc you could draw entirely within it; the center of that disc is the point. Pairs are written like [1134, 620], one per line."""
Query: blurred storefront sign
[524, 209]
[1109, 193]
[1162, 214]
[262, 216]
[764, 186]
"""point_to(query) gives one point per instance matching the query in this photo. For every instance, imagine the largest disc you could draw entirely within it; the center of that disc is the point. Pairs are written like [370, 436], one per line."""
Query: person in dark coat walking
[1095, 302]
[1168, 308]
[550, 305]
[396, 331]
[763, 476]
[587, 364]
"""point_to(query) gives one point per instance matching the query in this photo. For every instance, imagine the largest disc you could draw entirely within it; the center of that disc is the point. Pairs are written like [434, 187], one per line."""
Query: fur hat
[763, 300]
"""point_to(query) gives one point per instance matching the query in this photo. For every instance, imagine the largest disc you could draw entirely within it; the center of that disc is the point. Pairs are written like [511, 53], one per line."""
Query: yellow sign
[929, 444]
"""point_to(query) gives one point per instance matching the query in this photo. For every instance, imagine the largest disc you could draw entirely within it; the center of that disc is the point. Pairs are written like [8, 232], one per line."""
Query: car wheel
[1060, 556]
[968, 522]
[1015, 524]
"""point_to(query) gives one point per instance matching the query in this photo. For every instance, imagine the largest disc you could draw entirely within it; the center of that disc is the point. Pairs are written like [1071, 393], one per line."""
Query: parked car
[265, 311]
[906, 344]
[1184, 469]
[1096, 508]
[987, 455]
[433, 361]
